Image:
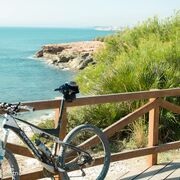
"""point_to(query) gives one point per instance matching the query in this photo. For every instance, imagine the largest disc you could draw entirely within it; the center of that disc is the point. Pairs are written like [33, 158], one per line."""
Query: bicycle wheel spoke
[83, 162]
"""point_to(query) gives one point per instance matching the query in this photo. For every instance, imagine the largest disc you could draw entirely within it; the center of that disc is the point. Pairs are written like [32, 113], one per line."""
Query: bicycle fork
[3, 142]
[2, 149]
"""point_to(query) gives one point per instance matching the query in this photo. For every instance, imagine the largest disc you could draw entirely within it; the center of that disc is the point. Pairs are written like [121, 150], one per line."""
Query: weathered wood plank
[176, 174]
[150, 172]
[56, 121]
[42, 105]
[140, 152]
[166, 172]
[109, 98]
[111, 130]
[172, 107]
[63, 130]
[119, 97]
[16, 149]
[153, 133]
[33, 175]
[117, 126]
[29, 176]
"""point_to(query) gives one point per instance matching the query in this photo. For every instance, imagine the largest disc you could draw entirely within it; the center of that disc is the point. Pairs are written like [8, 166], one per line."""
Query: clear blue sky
[82, 13]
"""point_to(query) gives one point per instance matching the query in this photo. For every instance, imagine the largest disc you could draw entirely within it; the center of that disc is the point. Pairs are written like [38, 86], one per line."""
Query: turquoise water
[23, 78]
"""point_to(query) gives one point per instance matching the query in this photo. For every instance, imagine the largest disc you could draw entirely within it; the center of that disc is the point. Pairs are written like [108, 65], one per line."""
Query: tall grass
[138, 137]
[142, 58]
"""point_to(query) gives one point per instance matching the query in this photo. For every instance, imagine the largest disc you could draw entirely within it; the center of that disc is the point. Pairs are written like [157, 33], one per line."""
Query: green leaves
[142, 58]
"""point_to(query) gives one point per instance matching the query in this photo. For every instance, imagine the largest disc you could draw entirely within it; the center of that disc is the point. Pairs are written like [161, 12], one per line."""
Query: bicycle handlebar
[13, 108]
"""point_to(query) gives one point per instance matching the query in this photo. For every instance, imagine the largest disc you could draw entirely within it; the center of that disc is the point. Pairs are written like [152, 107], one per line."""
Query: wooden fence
[156, 101]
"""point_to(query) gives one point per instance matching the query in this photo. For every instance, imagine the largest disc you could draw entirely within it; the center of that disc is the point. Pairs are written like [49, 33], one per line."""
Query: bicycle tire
[13, 165]
[87, 127]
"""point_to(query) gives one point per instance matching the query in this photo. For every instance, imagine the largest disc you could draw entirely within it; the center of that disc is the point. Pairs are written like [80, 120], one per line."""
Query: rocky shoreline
[73, 56]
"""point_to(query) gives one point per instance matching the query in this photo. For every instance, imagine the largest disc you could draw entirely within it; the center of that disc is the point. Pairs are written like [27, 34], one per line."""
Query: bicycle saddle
[69, 90]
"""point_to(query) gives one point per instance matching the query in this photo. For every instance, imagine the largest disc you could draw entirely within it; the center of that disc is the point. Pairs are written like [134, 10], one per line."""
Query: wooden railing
[153, 106]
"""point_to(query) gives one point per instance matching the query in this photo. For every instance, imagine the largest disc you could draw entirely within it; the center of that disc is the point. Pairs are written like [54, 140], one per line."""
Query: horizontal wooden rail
[19, 150]
[172, 107]
[157, 101]
[145, 151]
[119, 97]
[42, 105]
[132, 154]
[33, 175]
[140, 152]
[109, 98]
[118, 125]
[29, 176]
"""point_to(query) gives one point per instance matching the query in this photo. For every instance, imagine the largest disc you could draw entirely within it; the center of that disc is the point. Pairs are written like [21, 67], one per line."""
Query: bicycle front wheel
[98, 151]
[9, 166]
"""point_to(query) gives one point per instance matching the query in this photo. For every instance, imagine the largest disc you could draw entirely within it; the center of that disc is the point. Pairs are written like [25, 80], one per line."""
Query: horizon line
[70, 27]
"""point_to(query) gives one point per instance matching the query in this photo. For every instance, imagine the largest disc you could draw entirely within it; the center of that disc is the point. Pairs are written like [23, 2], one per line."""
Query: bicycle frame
[11, 124]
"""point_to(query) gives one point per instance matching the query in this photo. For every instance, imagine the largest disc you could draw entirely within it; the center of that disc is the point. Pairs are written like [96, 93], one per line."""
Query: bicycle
[73, 155]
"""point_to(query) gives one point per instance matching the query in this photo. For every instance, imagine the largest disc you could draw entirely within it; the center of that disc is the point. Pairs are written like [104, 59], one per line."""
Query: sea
[25, 78]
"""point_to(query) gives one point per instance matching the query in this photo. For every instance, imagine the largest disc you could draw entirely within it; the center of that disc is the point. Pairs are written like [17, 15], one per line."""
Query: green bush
[142, 58]
[99, 115]
[47, 124]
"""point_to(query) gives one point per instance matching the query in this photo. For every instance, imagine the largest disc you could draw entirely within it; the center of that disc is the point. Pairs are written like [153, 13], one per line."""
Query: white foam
[35, 58]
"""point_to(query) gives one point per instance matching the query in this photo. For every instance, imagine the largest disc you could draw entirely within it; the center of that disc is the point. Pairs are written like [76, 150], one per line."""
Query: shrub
[138, 137]
[142, 58]
[47, 124]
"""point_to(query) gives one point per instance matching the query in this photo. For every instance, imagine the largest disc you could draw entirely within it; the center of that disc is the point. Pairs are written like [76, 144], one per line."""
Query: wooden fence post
[153, 133]
[63, 123]
[62, 130]
[57, 112]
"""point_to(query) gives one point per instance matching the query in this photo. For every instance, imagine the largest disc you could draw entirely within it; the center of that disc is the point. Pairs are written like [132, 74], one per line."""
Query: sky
[82, 13]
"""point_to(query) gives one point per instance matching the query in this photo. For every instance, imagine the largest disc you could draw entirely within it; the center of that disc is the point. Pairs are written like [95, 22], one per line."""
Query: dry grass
[138, 134]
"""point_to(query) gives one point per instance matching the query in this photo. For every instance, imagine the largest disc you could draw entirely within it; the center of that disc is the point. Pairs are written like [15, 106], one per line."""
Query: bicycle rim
[90, 172]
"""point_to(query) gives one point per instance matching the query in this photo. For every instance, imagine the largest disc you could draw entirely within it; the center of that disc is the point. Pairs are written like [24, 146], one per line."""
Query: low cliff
[75, 56]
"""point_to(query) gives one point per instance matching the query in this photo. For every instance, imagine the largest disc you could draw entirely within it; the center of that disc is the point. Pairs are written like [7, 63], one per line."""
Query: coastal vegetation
[144, 57]
[141, 58]
[47, 124]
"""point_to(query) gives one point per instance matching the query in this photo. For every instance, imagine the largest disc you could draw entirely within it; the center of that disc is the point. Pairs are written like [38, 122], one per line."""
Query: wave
[34, 58]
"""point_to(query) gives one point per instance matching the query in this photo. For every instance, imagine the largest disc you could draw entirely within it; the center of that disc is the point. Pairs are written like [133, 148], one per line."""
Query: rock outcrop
[74, 56]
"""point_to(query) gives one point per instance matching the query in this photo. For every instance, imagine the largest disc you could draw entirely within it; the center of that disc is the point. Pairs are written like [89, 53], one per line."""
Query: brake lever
[16, 107]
